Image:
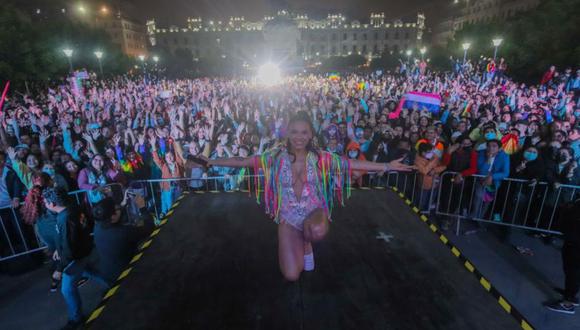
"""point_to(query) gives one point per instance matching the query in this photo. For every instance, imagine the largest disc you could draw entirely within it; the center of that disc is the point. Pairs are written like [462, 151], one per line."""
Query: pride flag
[419, 101]
[466, 110]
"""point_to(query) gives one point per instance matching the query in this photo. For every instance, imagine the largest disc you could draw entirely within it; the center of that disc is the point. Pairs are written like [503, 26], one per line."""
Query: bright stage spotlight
[269, 74]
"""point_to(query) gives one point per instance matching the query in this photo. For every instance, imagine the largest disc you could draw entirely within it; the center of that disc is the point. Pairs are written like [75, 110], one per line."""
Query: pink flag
[397, 113]
[4, 95]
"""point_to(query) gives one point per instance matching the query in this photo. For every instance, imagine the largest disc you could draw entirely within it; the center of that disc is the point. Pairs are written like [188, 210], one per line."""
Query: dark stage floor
[214, 266]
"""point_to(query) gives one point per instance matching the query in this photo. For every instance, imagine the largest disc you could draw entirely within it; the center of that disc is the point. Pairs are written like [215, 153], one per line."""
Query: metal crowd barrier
[19, 239]
[160, 193]
[517, 203]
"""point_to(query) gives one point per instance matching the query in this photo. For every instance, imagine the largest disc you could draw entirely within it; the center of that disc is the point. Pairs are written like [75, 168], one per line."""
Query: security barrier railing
[18, 239]
[517, 203]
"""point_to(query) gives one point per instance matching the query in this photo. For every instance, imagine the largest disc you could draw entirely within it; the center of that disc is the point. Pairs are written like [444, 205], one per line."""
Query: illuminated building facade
[289, 37]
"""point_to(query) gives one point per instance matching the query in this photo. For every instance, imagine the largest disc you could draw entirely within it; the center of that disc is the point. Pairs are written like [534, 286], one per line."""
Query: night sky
[176, 11]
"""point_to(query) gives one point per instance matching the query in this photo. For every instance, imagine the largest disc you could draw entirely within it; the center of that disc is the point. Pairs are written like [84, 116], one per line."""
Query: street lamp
[496, 43]
[142, 59]
[99, 55]
[82, 9]
[465, 47]
[409, 53]
[156, 59]
[423, 51]
[68, 53]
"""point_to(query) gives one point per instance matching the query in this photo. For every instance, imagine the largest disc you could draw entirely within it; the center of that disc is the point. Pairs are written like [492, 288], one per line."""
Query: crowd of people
[122, 131]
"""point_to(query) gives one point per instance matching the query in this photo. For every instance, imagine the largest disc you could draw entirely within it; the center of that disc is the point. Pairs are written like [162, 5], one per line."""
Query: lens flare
[269, 74]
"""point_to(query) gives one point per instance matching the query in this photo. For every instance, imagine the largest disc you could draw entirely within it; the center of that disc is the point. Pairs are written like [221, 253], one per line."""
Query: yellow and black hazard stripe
[144, 246]
[485, 283]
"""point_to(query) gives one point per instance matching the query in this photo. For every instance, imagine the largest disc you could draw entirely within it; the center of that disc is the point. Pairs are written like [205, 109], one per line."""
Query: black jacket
[14, 185]
[570, 223]
[535, 169]
[74, 240]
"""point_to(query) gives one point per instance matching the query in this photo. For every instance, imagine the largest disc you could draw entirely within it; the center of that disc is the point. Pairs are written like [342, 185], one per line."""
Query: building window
[333, 50]
[386, 35]
[344, 36]
[406, 35]
[354, 48]
[376, 36]
[364, 49]
[312, 50]
[175, 41]
[354, 36]
[344, 49]
[397, 35]
[185, 41]
[375, 49]
[334, 37]
[364, 36]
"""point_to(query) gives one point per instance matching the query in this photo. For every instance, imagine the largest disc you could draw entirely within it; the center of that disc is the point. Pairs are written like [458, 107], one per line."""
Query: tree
[533, 40]
[32, 50]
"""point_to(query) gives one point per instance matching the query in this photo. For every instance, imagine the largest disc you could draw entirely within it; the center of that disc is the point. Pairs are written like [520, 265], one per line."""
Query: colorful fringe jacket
[332, 175]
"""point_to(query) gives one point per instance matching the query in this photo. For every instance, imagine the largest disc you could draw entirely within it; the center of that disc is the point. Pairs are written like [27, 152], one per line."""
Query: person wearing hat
[429, 166]
[353, 151]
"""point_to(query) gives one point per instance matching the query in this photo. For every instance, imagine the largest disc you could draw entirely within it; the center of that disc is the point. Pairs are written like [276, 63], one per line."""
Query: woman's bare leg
[290, 251]
[315, 226]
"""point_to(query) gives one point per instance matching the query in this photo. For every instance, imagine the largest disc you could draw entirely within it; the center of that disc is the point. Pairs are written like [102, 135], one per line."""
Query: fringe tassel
[333, 177]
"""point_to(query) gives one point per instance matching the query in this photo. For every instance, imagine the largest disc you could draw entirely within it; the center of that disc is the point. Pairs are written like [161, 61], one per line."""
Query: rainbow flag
[334, 76]
[431, 102]
[466, 110]
[510, 144]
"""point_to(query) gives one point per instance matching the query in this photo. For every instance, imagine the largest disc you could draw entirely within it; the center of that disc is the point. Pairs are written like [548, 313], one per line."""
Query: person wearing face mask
[461, 159]
[494, 165]
[489, 133]
[429, 166]
[527, 165]
[563, 170]
[59, 180]
[353, 151]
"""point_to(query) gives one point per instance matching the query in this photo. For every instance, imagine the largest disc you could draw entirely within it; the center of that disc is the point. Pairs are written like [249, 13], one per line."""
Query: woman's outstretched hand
[397, 165]
[202, 160]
